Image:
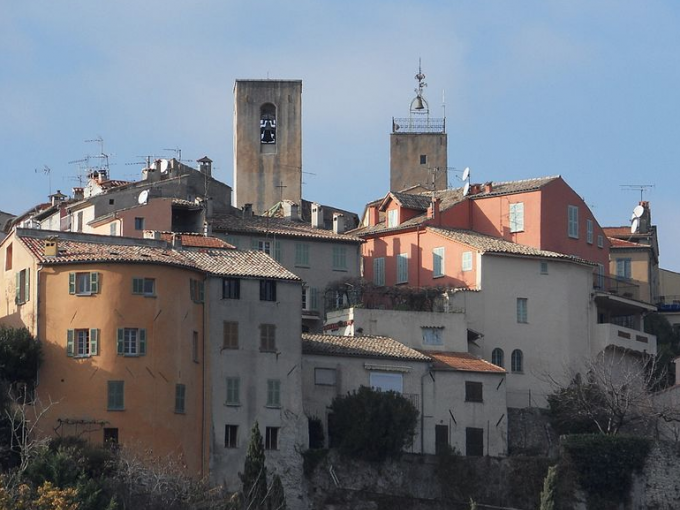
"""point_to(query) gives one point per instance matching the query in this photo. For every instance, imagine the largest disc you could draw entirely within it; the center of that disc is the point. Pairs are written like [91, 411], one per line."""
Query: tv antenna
[638, 187]
[48, 172]
[104, 157]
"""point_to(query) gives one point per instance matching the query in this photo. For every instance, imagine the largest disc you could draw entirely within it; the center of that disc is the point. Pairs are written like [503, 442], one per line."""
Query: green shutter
[94, 283]
[192, 289]
[254, 244]
[17, 289]
[142, 342]
[27, 295]
[201, 291]
[71, 283]
[121, 343]
[277, 251]
[70, 334]
[94, 342]
[314, 298]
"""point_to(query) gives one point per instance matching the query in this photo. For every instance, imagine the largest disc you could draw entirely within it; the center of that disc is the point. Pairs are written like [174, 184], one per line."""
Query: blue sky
[589, 90]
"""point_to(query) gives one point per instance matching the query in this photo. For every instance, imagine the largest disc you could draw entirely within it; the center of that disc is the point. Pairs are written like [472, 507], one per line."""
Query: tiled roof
[490, 244]
[622, 243]
[411, 201]
[191, 240]
[617, 231]
[359, 346]
[248, 263]
[451, 197]
[462, 361]
[186, 203]
[112, 183]
[262, 225]
[255, 264]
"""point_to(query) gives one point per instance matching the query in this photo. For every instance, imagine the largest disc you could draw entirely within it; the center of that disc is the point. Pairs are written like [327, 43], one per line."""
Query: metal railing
[669, 303]
[620, 286]
[418, 124]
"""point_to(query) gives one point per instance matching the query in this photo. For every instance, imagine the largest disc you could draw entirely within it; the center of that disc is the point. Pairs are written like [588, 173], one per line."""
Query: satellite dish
[164, 165]
[143, 197]
[466, 173]
[634, 226]
[638, 211]
[397, 127]
[466, 189]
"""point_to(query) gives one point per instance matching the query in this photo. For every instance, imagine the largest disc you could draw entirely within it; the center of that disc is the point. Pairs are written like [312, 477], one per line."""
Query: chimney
[152, 234]
[645, 219]
[51, 247]
[339, 223]
[152, 173]
[290, 210]
[78, 194]
[317, 216]
[433, 210]
[209, 207]
[373, 215]
[247, 210]
[177, 241]
[475, 188]
[488, 186]
[205, 166]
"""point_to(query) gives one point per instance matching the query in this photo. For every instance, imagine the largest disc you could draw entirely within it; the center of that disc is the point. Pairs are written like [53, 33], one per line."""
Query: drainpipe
[418, 266]
[37, 314]
[203, 373]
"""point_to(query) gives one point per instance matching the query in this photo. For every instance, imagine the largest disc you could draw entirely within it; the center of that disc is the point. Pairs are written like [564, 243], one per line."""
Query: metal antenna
[638, 187]
[48, 172]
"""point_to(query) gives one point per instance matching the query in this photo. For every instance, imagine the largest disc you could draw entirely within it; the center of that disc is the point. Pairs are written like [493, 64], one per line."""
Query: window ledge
[84, 294]
[227, 404]
[271, 351]
[438, 276]
[180, 412]
[273, 407]
[116, 410]
[341, 269]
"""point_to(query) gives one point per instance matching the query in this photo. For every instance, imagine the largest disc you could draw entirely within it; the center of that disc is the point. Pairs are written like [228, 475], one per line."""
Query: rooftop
[462, 361]
[359, 346]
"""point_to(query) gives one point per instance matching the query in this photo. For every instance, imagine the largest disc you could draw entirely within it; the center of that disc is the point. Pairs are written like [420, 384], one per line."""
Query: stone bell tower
[267, 142]
[418, 152]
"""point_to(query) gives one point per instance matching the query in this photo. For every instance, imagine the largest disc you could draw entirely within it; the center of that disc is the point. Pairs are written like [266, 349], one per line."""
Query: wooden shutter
[71, 283]
[277, 251]
[27, 290]
[17, 289]
[94, 342]
[94, 283]
[142, 342]
[121, 343]
[70, 334]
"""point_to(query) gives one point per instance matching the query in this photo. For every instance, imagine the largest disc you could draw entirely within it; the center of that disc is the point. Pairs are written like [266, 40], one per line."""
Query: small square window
[230, 436]
[83, 284]
[131, 342]
[423, 159]
[324, 376]
[271, 439]
[144, 286]
[432, 335]
[231, 288]
[139, 223]
[544, 267]
[473, 391]
[267, 290]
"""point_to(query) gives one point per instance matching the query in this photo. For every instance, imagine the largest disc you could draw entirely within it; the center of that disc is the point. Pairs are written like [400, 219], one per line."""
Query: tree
[373, 425]
[20, 355]
[614, 394]
[277, 498]
[549, 487]
[254, 476]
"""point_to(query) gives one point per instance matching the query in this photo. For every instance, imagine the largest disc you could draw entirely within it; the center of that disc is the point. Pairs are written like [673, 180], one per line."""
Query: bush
[316, 436]
[373, 425]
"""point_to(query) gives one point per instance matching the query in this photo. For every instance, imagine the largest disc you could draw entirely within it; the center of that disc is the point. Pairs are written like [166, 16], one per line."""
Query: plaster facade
[418, 159]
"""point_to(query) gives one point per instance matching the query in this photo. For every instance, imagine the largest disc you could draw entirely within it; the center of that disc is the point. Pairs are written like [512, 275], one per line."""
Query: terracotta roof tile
[411, 201]
[191, 240]
[359, 346]
[248, 263]
[462, 361]
[263, 225]
[622, 243]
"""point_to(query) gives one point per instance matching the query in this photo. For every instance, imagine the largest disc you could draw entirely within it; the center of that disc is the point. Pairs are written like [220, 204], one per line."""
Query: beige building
[267, 142]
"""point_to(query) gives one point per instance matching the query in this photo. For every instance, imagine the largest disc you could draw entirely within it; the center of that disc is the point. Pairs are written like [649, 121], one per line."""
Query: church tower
[267, 142]
[418, 152]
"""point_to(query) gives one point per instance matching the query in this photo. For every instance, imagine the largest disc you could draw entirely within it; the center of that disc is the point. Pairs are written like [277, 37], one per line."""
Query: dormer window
[268, 124]
[392, 218]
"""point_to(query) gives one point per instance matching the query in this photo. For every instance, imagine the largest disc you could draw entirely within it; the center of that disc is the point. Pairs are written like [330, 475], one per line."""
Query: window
[268, 337]
[113, 229]
[139, 223]
[79, 222]
[197, 290]
[273, 393]
[144, 286]
[473, 391]
[8, 257]
[623, 269]
[231, 288]
[302, 254]
[544, 267]
[82, 342]
[438, 262]
[194, 347]
[83, 284]
[22, 289]
[386, 381]
[392, 218]
[402, 268]
[265, 246]
[423, 159]
[230, 436]
[589, 231]
[600, 276]
[267, 290]
[517, 217]
[233, 391]
[432, 335]
[310, 299]
[474, 442]
[498, 357]
[116, 396]
[379, 271]
[467, 261]
[339, 258]
[522, 310]
[131, 341]
[230, 335]
[110, 437]
[271, 438]
[268, 124]
[572, 230]
[600, 241]
[324, 376]
[517, 361]
[180, 396]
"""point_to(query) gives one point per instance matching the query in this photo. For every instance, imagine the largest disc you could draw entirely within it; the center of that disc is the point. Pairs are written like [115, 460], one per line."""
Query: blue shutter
[71, 283]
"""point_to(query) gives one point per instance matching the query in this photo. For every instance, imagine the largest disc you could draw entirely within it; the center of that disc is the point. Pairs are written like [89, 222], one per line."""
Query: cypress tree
[548, 494]
[254, 476]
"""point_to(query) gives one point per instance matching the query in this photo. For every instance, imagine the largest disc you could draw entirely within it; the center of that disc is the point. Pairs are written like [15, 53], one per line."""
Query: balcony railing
[669, 303]
[418, 124]
[619, 286]
[614, 335]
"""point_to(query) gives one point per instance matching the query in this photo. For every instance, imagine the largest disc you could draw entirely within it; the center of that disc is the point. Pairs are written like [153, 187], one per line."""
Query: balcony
[608, 334]
[619, 286]
[669, 303]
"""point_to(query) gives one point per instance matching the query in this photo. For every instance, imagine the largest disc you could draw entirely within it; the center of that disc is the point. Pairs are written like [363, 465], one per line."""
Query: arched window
[268, 124]
[517, 361]
[498, 357]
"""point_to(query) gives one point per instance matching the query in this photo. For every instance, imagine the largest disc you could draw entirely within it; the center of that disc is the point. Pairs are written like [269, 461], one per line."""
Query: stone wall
[529, 432]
